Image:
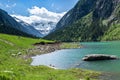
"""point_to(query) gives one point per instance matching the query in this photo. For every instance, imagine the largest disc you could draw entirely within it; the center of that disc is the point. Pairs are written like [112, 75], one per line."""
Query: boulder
[96, 57]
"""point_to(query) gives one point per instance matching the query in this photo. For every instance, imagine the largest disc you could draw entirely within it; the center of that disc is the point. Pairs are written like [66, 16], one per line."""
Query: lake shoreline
[46, 48]
[102, 75]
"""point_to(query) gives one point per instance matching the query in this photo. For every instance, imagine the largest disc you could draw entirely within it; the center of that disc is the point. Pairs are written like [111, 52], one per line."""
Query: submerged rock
[96, 57]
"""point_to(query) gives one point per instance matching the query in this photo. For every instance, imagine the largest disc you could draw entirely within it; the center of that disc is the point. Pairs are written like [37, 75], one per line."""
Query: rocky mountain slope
[9, 25]
[89, 20]
[31, 29]
[44, 27]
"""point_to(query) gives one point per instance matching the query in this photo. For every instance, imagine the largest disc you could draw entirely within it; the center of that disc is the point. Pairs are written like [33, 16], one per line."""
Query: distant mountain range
[31, 29]
[9, 25]
[89, 20]
[44, 27]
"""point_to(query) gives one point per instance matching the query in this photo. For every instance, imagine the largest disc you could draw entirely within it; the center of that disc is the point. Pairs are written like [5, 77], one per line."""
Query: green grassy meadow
[13, 66]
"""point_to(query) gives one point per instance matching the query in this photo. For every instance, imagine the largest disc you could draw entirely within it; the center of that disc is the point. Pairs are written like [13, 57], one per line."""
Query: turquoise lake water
[72, 58]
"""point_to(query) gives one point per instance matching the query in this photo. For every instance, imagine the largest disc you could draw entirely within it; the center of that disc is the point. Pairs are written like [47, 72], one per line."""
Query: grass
[14, 67]
[70, 45]
[21, 42]
[45, 73]
[113, 33]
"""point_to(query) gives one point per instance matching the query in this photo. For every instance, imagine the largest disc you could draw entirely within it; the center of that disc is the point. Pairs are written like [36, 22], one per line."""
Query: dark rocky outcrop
[96, 57]
[46, 43]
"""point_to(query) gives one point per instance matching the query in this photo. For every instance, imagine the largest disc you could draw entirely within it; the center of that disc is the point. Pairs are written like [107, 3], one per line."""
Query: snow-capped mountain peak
[31, 29]
[44, 27]
[41, 19]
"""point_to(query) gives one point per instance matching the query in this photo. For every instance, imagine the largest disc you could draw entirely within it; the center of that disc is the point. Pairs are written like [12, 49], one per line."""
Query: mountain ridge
[44, 27]
[9, 25]
[89, 20]
[31, 29]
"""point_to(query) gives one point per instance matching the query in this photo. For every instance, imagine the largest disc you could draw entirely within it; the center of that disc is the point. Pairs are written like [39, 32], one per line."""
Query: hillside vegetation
[8, 25]
[13, 65]
[89, 20]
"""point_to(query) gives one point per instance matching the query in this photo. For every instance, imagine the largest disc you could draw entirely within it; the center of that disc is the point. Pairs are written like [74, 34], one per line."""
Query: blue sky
[21, 6]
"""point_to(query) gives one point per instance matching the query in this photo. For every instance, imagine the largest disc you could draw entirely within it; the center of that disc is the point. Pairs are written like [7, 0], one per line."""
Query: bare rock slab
[96, 57]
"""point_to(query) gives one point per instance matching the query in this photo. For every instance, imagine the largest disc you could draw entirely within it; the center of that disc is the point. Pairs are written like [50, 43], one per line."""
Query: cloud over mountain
[37, 14]
[42, 19]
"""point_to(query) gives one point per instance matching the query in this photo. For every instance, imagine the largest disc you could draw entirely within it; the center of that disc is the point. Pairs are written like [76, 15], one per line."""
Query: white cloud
[10, 6]
[45, 14]
[7, 6]
[39, 15]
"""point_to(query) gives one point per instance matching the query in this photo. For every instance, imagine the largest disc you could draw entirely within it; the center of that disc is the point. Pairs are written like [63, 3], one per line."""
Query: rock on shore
[96, 57]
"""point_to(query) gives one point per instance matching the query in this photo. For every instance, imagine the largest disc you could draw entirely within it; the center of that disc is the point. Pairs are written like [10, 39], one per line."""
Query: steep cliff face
[82, 8]
[89, 20]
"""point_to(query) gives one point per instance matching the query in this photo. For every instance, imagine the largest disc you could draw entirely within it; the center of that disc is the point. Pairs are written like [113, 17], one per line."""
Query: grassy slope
[113, 33]
[14, 67]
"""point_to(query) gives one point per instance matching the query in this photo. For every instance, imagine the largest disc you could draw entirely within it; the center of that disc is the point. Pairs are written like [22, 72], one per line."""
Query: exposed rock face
[89, 20]
[96, 57]
[44, 27]
[31, 29]
[82, 8]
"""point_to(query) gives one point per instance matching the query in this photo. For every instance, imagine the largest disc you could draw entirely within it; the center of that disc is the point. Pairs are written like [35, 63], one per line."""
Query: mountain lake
[72, 58]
